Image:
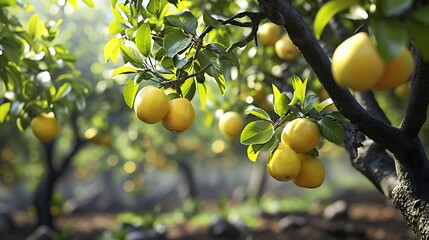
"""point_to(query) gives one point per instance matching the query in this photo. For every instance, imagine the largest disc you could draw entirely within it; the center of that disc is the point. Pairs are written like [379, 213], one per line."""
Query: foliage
[170, 48]
[261, 135]
[37, 74]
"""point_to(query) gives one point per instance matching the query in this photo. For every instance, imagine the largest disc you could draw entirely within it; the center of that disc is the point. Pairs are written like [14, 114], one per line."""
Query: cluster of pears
[152, 105]
[356, 64]
[292, 160]
[270, 34]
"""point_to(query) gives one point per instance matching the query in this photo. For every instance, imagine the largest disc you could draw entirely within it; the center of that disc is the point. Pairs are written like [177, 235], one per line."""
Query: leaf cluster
[37, 75]
[262, 135]
[172, 48]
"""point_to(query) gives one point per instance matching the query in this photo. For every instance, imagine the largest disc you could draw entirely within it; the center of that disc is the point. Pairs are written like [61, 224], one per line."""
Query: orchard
[144, 94]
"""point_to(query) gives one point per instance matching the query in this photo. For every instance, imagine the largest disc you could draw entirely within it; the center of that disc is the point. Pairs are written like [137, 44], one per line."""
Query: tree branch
[374, 163]
[255, 20]
[49, 156]
[78, 143]
[417, 107]
[370, 158]
[370, 104]
[302, 36]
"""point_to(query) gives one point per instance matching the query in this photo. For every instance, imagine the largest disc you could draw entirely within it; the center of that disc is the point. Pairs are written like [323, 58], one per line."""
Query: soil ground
[370, 216]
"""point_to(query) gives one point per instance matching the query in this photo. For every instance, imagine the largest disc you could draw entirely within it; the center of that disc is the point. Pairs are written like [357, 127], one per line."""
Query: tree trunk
[186, 171]
[258, 179]
[411, 195]
[42, 201]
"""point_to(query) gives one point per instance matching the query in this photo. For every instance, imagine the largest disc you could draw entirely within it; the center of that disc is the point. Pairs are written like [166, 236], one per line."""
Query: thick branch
[370, 104]
[377, 166]
[302, 36]
[49, 156]
[370, 158]
[417, 107]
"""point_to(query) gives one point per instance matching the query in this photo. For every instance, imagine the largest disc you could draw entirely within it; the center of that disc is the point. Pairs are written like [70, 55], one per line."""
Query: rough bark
[410, 194]
[414, 210]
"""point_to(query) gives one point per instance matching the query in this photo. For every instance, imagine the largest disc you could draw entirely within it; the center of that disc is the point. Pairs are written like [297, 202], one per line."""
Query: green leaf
[200, 78]
[207, 57]
[188, 89]
[337, 116]
[281, 102]
[113, 3]
[131, 54]
[154, 6]
[221, 83]
[63, 91]
[324, 104]
[130, 91]
[212, 50]
[89, 3]
[141, 76]
[116, 27]
[7, 2]
[331, 130]
[22, 123]
[209, 20]
[144, 39]
[180, 62]
[419, 35]
[63, 110]
[327, 11]
[232, 57]
[310, 101]
[271, 145]
[174, 2]
[421, 15]
[80, 103]
[35, 27]
[123, 70]
[390, 37]
[185, 21]
[31, 90]
[260, 113]
[299, 88]
[202, 93]
[252, 154]
[391, 8]
[175, 41]
[257, 132]
[111, 49]
[4, 110]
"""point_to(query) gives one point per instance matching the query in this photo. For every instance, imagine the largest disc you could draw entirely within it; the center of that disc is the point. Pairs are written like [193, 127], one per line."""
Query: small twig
[158, 75]
[183, 79]
[255, 20]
